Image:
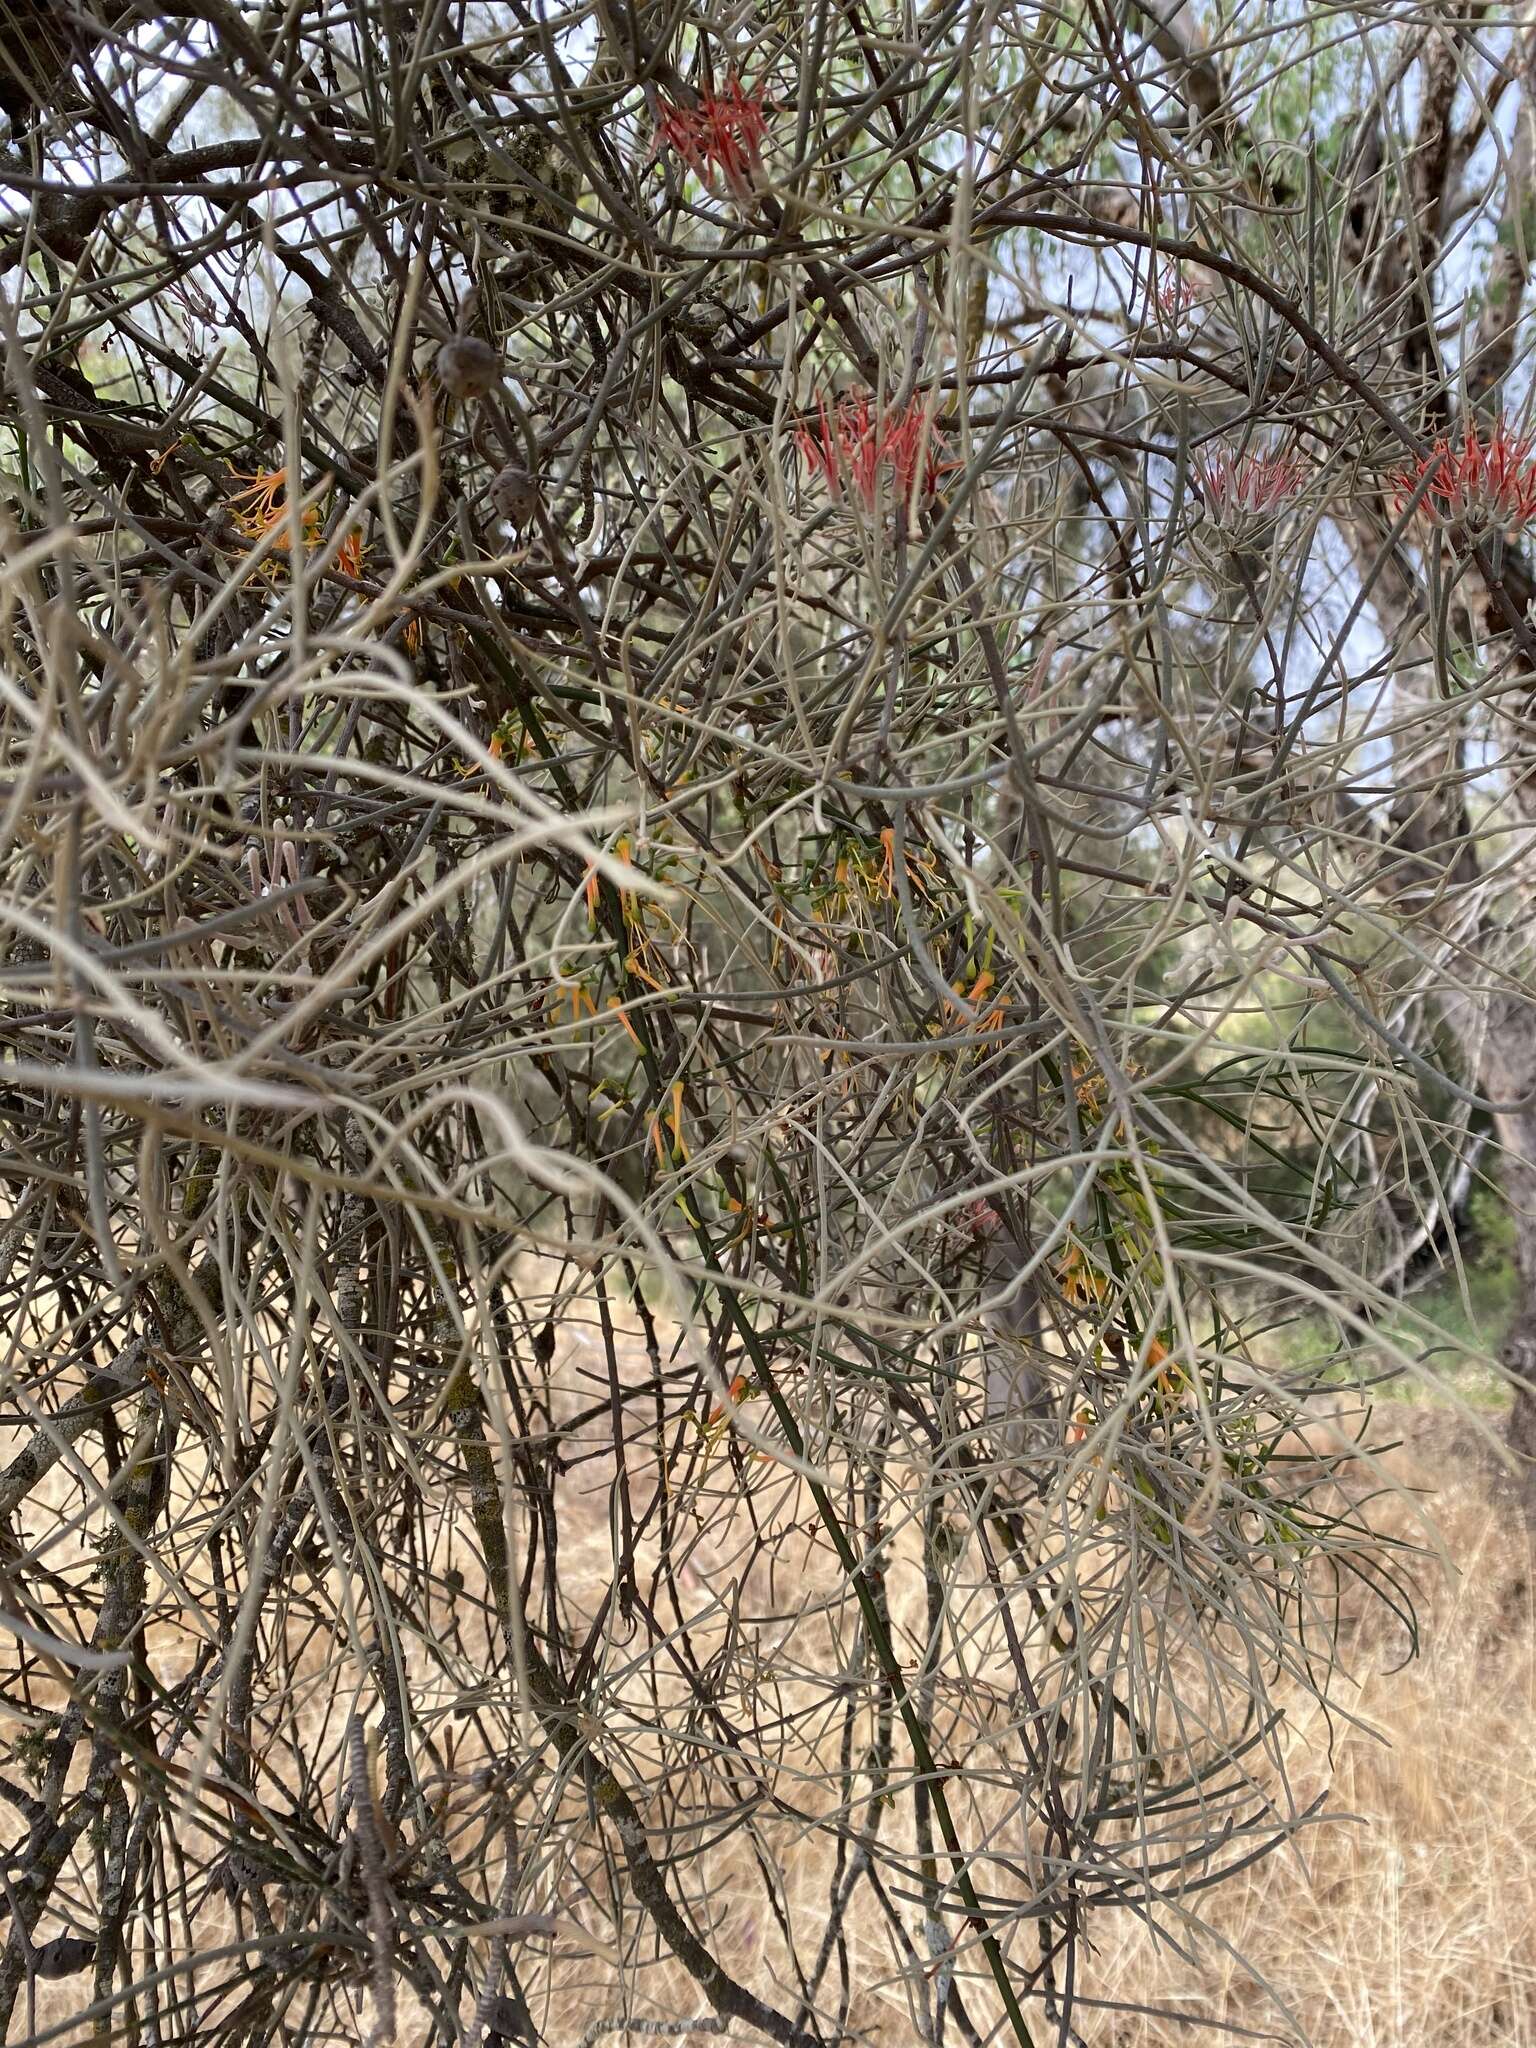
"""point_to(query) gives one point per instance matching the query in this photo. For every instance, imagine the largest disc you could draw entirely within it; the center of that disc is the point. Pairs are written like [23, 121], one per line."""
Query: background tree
[764, 864]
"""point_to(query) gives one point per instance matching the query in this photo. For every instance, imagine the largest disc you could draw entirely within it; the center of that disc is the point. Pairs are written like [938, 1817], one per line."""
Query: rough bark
[1508, 1074]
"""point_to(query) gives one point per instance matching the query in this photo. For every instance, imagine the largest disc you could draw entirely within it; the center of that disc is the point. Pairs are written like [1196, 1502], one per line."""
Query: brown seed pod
[515, 495]
[468, 367]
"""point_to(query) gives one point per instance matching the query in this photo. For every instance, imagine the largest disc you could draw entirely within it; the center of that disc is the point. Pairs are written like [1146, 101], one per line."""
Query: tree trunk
[1508, 1073]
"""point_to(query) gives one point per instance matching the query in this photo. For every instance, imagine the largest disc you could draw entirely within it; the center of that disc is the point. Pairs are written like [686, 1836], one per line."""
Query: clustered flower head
[1241, 489]
[725, 132]
[1486, 479]
[853, 440]
[1175, 290]
[262, 509]
[264, 506]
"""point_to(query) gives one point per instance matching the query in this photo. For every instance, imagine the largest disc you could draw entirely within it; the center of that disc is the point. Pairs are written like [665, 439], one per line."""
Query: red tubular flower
[1243, 487]
[725, 132]
[842, 443]
[910, 445]
[1485, 480]
[1175, 291]
[818, 444]
[858, 434]
[851, 443]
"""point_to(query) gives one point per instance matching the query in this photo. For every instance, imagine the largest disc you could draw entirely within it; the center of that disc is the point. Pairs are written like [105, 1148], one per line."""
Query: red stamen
[852, 443]
[1245, 486]
[1175, 291]
[1485, 480]
[725, 132]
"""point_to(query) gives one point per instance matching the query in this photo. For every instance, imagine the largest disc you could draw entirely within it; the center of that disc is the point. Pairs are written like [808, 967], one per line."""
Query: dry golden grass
[1405, 1919]
[1413, 1921]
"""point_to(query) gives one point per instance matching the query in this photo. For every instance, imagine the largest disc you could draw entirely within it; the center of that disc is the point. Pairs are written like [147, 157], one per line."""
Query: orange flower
[572, 996]
[1090, 1088]
[991, 1020]
[263, 507]
[622, 1014]
[738, 1388]
[1080, 1280]
[1171, 1378]
[349, 556]
[888, 862]
[674, 1117]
